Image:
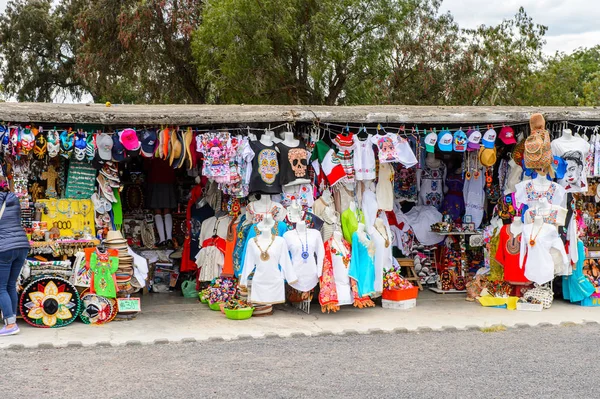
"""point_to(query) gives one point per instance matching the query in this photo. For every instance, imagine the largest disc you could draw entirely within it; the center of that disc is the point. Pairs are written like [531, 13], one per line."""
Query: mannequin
[567, 134]
[267, 139]
[338, 239]
[431, 180]
[289, 140]
[307, 253]
[326, 196]
[361, 230]
[267, 223]
[541, 183]
[381, 237]
[516, 227]
[256, 210]
[294, 212]
[353, 207]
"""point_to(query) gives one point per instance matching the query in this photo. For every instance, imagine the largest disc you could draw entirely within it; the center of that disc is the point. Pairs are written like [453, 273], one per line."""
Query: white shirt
[574, 151]
[528, 193]
[340, 275]
[383, 256]
[394, 149]
[370, 206]
[421, 218]
[539, 266]
[207, 229]
[514, 177]
[385, 187]
[268, 281]
[307, 270]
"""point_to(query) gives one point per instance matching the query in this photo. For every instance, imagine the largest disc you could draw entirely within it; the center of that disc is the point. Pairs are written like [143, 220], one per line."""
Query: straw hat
[115, 237]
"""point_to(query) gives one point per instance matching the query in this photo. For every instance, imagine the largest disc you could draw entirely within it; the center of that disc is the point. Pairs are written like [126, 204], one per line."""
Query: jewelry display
[264, 255]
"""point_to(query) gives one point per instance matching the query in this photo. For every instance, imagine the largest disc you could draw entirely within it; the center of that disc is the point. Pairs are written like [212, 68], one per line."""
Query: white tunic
[308, 270]
[268, 281]
[340, 275]
[383, 256]
[539, 266]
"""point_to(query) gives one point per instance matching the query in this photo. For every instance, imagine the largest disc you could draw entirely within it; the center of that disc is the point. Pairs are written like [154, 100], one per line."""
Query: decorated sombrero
[97, 309]
[50, 302]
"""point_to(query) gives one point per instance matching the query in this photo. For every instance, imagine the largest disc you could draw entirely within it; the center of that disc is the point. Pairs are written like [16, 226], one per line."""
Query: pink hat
[129, 139]
[507, 135]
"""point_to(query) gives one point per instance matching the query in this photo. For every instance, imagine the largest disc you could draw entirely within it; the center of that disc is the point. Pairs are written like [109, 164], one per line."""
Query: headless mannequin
[267, 223]
[432, 162]
[266, 139]
[294, 212]
[361, 231]
[326, 196]
[541, 183]
[289, 140]
[338, 240]
[538, 221]
[301, 227]
[567, 134]
[381, 228]
[353, 207]
[516, 227]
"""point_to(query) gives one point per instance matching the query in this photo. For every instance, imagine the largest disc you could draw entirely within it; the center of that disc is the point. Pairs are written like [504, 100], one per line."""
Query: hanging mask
[80, 146]
[41, 146]
[53, 144]
[90, 149]
[6, 143]
[67, 141]
[14, 141]
[27, 141]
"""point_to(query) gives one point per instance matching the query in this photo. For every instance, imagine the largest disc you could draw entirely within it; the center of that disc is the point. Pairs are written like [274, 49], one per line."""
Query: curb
[297, 334]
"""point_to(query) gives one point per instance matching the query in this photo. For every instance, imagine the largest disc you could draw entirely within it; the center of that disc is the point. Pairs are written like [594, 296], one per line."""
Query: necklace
[386, 238]
[264, 255]
[304, 250]
[67, 212]
[532, 240]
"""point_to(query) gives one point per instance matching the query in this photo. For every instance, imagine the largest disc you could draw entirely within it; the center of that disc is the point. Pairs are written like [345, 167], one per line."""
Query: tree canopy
[282, 52]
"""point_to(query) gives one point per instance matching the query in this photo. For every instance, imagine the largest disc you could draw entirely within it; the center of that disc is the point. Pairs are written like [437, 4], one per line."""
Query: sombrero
[96, 309]
[49, 302]
[115, 237]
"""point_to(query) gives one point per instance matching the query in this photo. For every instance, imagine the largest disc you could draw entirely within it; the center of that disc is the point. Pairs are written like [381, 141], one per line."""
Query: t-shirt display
[574, 151]
[265, 169]
[294, 164]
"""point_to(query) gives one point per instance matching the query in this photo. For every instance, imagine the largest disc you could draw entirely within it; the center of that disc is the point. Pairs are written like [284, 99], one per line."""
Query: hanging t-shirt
[394, 149]
[574, 152]
[265, 169]
[345, 154]
[294, 162]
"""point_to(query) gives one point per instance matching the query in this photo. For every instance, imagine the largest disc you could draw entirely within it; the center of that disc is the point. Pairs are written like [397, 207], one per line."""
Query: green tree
[140, 50]
[37, 50]
[294, 51]
[437, 62]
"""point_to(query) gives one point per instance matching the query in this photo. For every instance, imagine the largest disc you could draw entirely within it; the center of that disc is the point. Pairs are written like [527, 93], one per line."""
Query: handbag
[543, 295]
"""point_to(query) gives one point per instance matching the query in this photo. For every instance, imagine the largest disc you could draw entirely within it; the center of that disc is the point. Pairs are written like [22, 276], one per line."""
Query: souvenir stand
[249, 216]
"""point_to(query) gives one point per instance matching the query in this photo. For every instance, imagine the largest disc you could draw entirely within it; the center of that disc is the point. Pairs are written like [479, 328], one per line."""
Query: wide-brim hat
[114, 235]
[42, 306]
[176, 150]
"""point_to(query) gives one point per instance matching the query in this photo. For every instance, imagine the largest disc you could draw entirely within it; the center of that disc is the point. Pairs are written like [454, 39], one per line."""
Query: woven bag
[543, 295]
[538, 154]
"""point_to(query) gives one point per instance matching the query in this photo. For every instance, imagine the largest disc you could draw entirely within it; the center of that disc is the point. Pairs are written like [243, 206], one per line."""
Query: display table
[60, 247]
[463, 257]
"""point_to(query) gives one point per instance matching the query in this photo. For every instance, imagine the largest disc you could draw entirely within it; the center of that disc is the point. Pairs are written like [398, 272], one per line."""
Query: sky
[571, 23]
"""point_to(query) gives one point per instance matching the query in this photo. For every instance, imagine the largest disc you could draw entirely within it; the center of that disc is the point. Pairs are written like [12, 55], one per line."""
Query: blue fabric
[11, 262]
[577, 287]
[279, 229]
[362, 268]
[12, 235]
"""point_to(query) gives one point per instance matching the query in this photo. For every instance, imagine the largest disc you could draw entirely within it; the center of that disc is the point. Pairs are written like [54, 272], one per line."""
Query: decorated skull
[53, 144]
[79, 154]
[268, 167]
[297, 158]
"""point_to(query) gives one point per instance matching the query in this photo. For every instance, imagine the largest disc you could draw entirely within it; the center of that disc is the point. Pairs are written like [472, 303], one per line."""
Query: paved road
[549, 362]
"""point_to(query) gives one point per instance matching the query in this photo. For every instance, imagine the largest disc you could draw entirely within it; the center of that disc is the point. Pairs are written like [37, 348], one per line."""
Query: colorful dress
[432, 186]
[345, 154]
[577, 287]
[454, 202]
[362, 267]
[103, 269]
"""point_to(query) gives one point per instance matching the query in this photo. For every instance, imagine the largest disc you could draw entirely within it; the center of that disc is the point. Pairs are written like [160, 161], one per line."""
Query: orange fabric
[166, 139]
[229, 247]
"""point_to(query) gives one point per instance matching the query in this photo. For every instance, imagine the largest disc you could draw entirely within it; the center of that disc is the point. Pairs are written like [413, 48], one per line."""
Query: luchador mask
[297, 157]
[268, 165]
[53, 144]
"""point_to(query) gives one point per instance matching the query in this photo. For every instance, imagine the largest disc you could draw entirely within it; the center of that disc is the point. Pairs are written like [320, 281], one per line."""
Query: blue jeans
[11, 262]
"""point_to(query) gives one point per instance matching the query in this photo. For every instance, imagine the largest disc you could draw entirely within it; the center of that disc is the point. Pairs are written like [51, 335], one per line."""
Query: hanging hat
[537, 122]
[460, 141]
[165, 142]
[188, 138]
[445, 140]
[129, 139]
[50, 302]
[148, 143]
[489, 138]
[507, 135]
[430, 141]
[474, 138]
[118, 150]
[104, 143]
[487, 156]
[176, 148]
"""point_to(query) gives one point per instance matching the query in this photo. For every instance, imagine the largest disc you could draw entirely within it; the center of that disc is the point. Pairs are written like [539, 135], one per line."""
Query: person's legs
[160, 225]
[168, 224]
[6, 260]
[17, 265]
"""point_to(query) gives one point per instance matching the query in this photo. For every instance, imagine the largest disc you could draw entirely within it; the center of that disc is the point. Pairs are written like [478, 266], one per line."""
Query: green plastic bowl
[215, 306]
[204, 300]
[239, 314]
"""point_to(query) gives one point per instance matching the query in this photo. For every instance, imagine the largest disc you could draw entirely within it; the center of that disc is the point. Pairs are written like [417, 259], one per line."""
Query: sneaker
[5, 331]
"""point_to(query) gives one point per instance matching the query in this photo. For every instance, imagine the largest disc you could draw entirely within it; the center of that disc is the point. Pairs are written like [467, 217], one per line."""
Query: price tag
[129, 305]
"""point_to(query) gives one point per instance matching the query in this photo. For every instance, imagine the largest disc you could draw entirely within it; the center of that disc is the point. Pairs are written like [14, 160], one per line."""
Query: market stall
[253, 213]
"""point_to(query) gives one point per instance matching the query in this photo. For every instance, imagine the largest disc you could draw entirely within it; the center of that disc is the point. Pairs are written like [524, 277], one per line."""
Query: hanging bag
[538, 153]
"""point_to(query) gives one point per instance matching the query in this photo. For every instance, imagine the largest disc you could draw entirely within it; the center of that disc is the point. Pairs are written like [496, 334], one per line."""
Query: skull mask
[53, 144]
[268, 167]
[79, 154]
[297, 158]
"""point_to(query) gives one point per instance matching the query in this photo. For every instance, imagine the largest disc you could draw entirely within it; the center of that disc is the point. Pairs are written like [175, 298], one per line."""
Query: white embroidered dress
[307, 270]
[539, 266]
